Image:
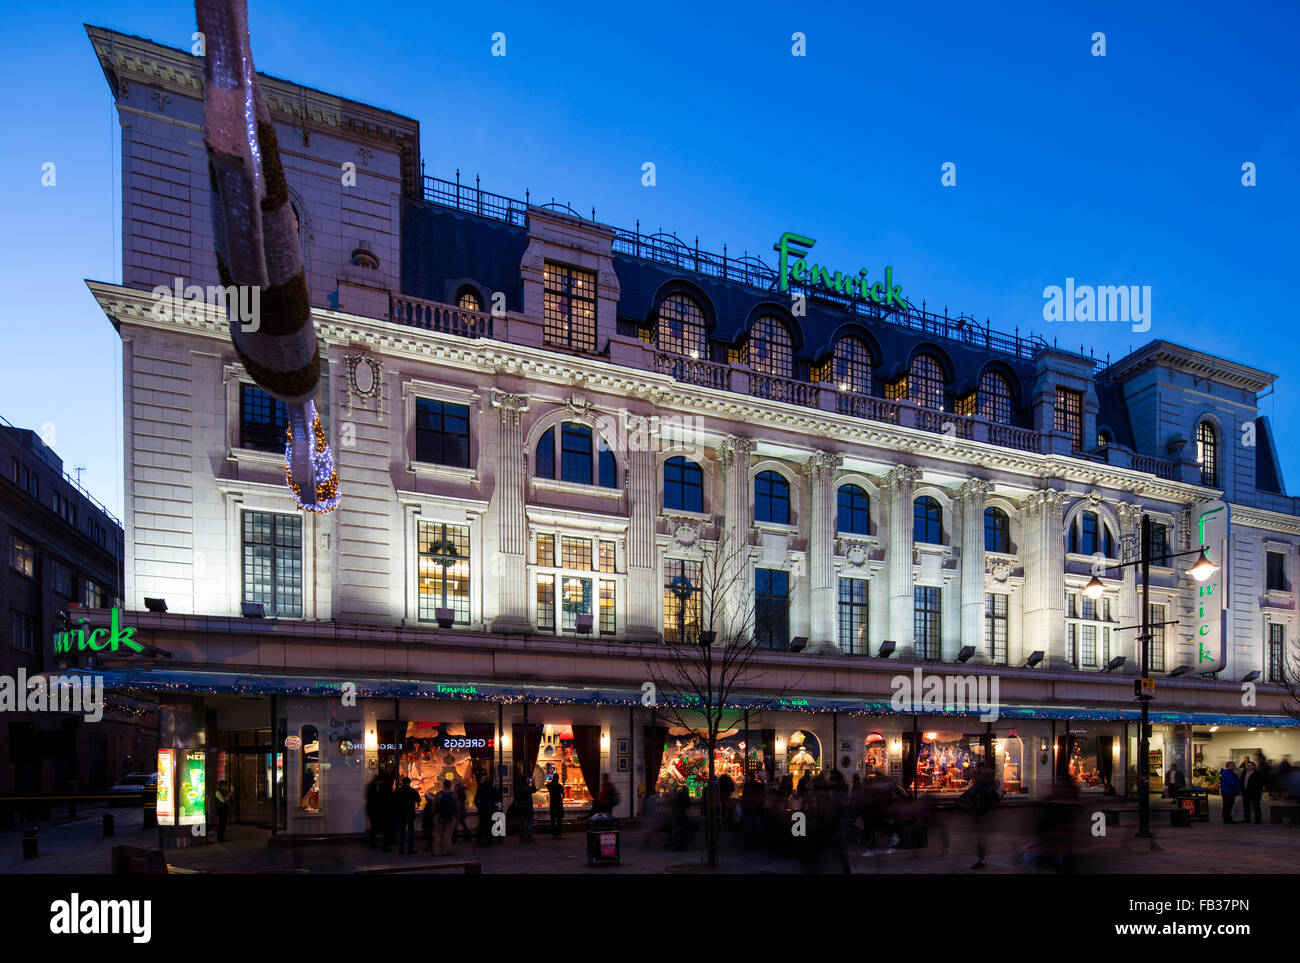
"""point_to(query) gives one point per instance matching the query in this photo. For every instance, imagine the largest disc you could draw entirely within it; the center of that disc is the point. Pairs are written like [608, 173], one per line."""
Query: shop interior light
[1094, 588]
[1203, 568]
[1252, 728]
[604, 741]
[1214, 728]
[372, 741]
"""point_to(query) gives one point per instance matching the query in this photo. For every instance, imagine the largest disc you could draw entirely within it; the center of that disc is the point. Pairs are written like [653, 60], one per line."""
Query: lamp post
[1202, 570]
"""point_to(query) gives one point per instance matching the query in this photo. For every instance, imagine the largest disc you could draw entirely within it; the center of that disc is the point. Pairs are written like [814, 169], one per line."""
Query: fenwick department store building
[543, 427]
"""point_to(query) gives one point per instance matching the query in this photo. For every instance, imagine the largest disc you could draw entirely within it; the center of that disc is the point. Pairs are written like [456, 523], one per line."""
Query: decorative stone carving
[733, 447]
[899, 476]
[822, 463]
[975, 488]
[511, 406]
[856, 556]
[686, 534]
[1000, 571]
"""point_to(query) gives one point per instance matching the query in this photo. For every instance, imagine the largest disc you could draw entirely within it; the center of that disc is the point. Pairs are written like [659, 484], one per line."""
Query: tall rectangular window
[1072, 642]
[262, 420]
[576, 553]
[771, 608]
[1156, 654]
[575, 453]
[94, 595]
[853, 616]
[546, 550]
[1069, 415]
[1276, 652]
[1088, 647]
[607, 557]
[608, 613]
[22, 631]
[995, 625]
[1159, 544]
[576, 601]
[441, 433]
[272, 562]
[927, 622]
[546, 603]
[444, 570]
[682, 599]
[1276, 572]
[22, 555]
[61, 579]
[569, 296]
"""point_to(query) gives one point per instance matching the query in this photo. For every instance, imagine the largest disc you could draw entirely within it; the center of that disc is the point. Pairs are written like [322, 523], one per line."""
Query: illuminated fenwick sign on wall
[1210, 612]
[98, 640]
[792, 249]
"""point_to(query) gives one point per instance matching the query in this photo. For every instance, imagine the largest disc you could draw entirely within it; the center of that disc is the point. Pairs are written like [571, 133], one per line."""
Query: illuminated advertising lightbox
[166, 788]
[192, 798]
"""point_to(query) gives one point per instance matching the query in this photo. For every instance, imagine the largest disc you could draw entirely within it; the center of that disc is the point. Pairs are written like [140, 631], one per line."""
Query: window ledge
[424, 469]
[575, 488]
[674, 513]
[253, 456]
[1279, 599]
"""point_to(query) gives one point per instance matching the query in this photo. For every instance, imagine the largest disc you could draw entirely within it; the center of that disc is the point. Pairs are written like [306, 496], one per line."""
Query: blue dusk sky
[1122, 169]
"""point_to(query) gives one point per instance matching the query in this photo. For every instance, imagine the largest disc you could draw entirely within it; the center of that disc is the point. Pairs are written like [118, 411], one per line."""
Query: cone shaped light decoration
[256, 240]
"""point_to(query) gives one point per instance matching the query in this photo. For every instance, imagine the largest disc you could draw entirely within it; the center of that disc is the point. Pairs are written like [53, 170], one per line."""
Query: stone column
[821, 469]
[510, 570]
[1044, 594]
[643, 501]
[972, 497]
[732, 569]
[897, 486]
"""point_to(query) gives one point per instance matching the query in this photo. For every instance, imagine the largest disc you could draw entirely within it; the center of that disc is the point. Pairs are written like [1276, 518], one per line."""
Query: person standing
[375, 829]
[427, 822]
[446, 808]
[1229, 787]
[485, 801]
[1252, 791]
[1174, 782]
[223, 809]
[985, 793]
[555, 789]
[384, 808]
[405, 801]
[462, 808]
[524, 790]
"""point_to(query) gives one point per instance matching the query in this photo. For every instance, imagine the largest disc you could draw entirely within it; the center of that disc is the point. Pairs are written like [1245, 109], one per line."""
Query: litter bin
[1196, 801]
[602, 841]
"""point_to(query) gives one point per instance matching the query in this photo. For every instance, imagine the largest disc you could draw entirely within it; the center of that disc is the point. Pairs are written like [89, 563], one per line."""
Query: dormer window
[1207, 454]
[468, 299]
[681, 328]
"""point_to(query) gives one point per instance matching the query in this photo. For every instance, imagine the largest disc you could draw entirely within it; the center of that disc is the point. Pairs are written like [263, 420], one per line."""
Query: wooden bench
[134, 859]
[1277, 814]
[472, 867]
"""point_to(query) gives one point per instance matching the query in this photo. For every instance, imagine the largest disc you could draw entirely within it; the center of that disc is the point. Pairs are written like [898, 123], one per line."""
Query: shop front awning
[161, 681]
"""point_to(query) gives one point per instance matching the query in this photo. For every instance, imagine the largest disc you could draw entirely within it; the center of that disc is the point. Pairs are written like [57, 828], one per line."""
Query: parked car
[136, 782]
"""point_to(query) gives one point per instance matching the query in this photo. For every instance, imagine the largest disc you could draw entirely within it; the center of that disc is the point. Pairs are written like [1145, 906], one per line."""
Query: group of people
[392, 809]
[1249, 782]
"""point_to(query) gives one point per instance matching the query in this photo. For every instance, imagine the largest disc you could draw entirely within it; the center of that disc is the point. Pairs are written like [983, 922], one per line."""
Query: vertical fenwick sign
[792, 265]
[1210, 606]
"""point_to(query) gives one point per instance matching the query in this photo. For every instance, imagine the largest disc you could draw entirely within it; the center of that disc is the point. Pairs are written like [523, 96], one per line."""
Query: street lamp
[1200, 571]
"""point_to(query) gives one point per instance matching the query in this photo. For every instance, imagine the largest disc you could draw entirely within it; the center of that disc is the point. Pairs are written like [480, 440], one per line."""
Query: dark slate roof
[1268, 476]
[1112, 413]
[440, 244]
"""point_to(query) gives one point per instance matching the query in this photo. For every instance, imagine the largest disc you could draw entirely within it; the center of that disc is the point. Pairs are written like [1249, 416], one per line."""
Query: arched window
[683, 485]
[770, 349]
[607, 465]
[1207, 454]
[927, 521]
[468, 299]
[771, 498]
[925, 383]
[997, 531]
[855, 510]
[995, 398]
[852, 366]
[545, 467]
[681, 328]
[1104, 438]
[1089, 535]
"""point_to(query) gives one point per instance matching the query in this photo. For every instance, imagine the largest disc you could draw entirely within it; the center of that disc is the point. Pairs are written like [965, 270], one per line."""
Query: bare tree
[705, 657]
[1290, 680]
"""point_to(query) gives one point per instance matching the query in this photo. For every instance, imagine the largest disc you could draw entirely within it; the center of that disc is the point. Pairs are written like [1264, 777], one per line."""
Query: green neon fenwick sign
[1210, 609]
[792, 250]
[99, 640]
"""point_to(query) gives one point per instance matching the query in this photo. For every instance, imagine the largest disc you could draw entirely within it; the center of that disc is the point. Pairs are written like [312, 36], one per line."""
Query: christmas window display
[803, 755]
[1009, 759]
[876, 756]
[309, 774]
[434, 751]
[686, 760]
[947, 761]
[557, 758]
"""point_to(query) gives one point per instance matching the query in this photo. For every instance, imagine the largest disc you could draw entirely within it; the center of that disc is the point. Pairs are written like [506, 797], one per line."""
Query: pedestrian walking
[1253, 785]
[223, 809]
[608, 797]
[555, 790]
[446, 807]
[462, 810]
[426, 819]
[984, 795]
[1229, 787]
[405, 802]
[485, 801]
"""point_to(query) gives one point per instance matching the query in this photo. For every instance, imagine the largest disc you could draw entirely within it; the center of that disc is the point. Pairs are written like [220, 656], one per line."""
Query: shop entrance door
[252, 785]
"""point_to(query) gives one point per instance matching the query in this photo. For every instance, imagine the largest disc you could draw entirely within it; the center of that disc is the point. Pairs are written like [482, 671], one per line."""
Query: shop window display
[1009, 760]
[803, 755]
[435, 751]
[558, 757]
[309, 781]
[947, 761]
[686, 760]
[1091, 763]
[877, 754]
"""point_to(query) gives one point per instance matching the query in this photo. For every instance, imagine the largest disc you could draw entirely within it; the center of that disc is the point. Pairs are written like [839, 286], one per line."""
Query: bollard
[150, 812]
[108, 825]
[29, 843]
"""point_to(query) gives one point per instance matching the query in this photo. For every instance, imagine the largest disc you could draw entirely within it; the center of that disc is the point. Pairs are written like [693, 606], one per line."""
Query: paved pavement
[77, 846]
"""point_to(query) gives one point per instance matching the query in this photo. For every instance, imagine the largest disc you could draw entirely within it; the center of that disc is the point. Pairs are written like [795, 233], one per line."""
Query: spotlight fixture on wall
[798, 643]
[1178, 670]
[155, 605]
[447, 617]
[1115, 663]
[584, 624]
[966, 654]
[251, 610]
[1250, 676]
[887, 648]
[1034, 659]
